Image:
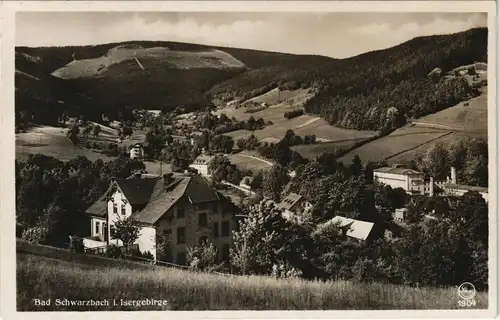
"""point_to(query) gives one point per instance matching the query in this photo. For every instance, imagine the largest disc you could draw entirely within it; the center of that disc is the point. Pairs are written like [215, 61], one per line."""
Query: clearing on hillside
[56, 273]
[52, 141]
[87, 68]
[290, 98]
[248, 162]
[401, 140]
[470, 116]
[445, 140]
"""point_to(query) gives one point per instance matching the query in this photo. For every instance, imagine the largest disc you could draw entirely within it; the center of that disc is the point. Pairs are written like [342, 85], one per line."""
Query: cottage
[400, 214]
[352, 228]
[411, 181]
[295, 205]
[201, 164]
[182, 206]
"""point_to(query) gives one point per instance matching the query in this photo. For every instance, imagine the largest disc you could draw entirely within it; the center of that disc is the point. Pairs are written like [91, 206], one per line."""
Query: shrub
[294, 113]
[76, 244]
[114, 252]
[36, 235]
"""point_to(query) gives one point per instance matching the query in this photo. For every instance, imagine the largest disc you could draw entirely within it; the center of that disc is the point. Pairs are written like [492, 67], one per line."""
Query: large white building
[408, 179]
[201, 164]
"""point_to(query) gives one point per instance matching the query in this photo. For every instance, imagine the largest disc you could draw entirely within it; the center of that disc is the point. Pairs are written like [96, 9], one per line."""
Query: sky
[333, 34]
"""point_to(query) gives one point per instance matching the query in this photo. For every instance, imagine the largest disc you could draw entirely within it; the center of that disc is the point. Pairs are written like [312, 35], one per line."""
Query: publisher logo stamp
[466, 292]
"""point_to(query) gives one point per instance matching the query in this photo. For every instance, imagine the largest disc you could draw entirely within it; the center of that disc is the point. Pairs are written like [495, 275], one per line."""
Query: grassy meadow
[44, 272]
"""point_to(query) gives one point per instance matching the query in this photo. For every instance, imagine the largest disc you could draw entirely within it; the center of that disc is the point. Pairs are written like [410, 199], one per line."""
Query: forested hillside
[376, 90]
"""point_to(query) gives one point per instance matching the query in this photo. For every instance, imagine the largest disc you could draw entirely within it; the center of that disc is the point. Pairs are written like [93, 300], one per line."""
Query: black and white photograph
[229, 160]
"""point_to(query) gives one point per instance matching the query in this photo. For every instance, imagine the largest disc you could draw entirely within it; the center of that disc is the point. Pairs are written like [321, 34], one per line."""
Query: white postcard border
[7, 144]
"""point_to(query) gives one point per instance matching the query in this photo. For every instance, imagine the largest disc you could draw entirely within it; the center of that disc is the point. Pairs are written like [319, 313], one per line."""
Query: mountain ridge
[354, 93]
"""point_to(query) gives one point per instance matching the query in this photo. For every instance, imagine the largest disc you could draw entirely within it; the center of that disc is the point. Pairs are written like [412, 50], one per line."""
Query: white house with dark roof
[410, 180]
[295, 205]
[201, 164]
[352, 228]
[183, 206]
[136, 151]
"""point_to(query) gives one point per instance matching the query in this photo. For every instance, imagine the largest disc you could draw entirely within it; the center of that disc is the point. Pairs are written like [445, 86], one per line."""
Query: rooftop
[291, 200]
[203, 159]
[157, 193]
[357, 229]
[397, 170]
[465, 187]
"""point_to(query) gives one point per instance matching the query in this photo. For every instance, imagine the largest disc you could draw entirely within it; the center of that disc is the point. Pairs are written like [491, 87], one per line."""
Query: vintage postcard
[249, 159]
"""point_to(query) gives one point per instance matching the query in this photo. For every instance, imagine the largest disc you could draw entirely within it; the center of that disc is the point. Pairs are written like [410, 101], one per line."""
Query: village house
[182, 206]
[453, 189]
[351, 228]
[295, 205]
[136, 151]
[201, 164]
[411, 181]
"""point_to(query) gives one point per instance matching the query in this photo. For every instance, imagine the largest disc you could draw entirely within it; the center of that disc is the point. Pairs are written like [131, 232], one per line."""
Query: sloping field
[302, 125]
[291, 98]
[52, 274]
[445, 140]
[184, 60]
[312, 151]
[52, 141]
[471, 118]
[399, 141]
[248, 162]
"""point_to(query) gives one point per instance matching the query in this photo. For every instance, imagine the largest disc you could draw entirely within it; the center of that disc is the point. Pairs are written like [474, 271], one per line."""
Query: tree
[73, 133]
[356, 166]
[202, 257]
[163, 246]
[127, 230]
[96, 130]
[257, 242]
[436, 162]
[274, 181]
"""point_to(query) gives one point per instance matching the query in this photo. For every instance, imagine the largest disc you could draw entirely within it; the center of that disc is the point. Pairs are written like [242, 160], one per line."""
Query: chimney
[453, 175]
[431, 187]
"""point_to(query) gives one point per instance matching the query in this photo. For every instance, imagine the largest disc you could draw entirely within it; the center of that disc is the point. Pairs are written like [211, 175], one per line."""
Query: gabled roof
[137, 191]
[203, 159]
[99, 208]
[356, 229]
[157, 194]
[164, 196]
[291, 200]
[401, 171]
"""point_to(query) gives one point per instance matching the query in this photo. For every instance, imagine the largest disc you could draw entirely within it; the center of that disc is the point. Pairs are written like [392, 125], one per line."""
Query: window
[181, 235]
[215, 208]
[180, 213]
[115, 208]
[112, 229]
[104, 228]
[203, 239]
[181, 258]
[216, 230]
[225, 229]
[123, 210]
[97, 227]
[225, 252]
[202, 206]
[202, 220]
